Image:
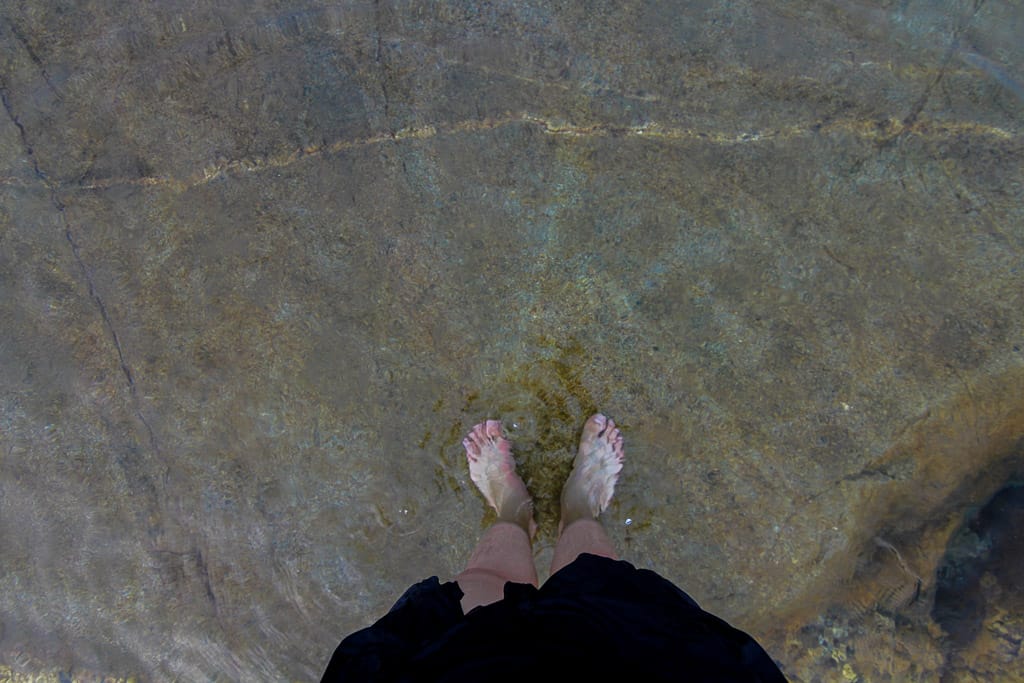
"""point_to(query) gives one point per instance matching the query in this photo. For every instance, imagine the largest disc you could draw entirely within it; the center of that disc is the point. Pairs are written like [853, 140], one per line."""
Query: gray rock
[262, 267]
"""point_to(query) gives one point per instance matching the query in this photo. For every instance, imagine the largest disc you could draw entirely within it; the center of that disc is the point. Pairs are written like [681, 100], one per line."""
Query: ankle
[571, 515]
[520, 514]
[575, 506]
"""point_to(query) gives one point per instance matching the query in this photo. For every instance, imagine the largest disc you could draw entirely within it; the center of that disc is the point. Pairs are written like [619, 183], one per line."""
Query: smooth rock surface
[262, 265]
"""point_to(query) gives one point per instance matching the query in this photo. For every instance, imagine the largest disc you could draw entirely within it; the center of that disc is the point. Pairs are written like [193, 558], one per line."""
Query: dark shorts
[595, 617]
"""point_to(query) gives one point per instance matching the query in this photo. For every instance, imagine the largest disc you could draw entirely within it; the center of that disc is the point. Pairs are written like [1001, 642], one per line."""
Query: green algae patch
[542, 405]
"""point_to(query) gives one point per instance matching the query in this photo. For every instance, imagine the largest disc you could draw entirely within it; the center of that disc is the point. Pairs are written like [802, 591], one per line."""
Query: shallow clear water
[261, 270]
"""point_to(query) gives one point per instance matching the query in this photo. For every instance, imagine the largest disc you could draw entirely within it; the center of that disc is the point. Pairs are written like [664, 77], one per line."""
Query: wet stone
[263, 266]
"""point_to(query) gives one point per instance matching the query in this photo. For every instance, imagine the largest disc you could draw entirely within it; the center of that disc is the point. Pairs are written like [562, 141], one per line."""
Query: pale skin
[503, 553]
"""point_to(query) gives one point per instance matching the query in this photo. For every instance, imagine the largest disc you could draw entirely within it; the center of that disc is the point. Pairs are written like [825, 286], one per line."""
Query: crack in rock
[76, 252]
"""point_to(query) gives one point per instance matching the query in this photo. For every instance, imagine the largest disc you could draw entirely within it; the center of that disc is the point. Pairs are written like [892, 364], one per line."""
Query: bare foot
[493, 470]
[591, 484]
